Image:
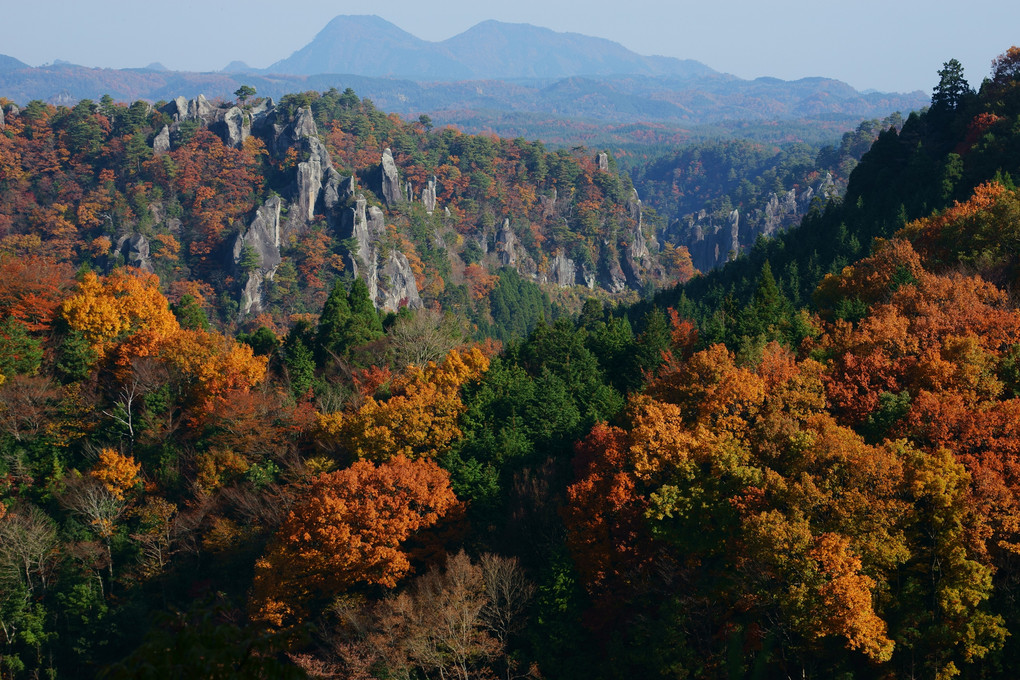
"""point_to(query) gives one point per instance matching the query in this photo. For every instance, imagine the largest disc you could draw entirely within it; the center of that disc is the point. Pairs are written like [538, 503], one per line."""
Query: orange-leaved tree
[348, 529]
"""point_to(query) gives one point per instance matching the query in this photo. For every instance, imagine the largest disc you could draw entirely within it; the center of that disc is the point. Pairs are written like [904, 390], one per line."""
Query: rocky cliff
[714, 239]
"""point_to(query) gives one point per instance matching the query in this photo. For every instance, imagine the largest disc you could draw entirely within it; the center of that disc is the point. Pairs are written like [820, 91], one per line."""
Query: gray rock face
[428, 195]
[331, 190]
[304, 125]
[251, 294]
[588, 277]
[711, 239]
[613, 278]
[602, 161]
[161, 142]
[506, 245]
[548, 204]
[238, 128]
[309, 182]
[177, 109]
[562, 271]
[348, 186]
[13, 111]
[338, 191]
[397, 286]
[778, 211]
[263, 238]
[390, 179]
[199, 108]
[135, 249]
[2, 123]
[390, 285]
[354, 225]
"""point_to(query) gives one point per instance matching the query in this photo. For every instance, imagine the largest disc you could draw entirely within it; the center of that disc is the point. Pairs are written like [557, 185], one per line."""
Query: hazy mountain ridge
[505, 107]
[485, 76]
[371, 46]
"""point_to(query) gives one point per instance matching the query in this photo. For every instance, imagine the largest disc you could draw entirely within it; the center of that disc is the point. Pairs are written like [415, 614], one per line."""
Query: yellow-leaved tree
[419, 420]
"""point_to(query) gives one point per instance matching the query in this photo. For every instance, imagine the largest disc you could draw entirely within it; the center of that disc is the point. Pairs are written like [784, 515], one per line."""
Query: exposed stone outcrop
[562, 271]
[237, 127]
[602, 162]
[636, 257]
[229, 122]
[428, 195]
[304, 124]
[262, 239]
[309, 183]
[390, 179]
[507, 245]
[397, 286]
[712, 239]
[338, 190]
[161, 142]
[177, 109]
[613, 278]
[548, 204]
[354, 225]
[2, 123]
[199, 108]
[390, 285]
[135, 249]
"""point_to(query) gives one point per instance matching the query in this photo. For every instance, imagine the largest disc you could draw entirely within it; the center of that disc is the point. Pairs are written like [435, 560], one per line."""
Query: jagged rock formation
[428, 195]
[390, 285]
[309, 183]
[135, 249]
[261, 242]
[390, 180]
[562, 271]
[636, 254]
[396, 285]
[339, 190]
[229, 122]
[507, 245]
[161, 142]
[613, 279]
[318, 192]
[2, 122]
[714, 239]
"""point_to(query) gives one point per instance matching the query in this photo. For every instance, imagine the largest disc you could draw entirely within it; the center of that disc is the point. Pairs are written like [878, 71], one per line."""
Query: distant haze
[867, 43]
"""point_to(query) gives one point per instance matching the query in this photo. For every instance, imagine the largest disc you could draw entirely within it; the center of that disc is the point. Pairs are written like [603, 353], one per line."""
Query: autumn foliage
[419, 420]
[348, 530]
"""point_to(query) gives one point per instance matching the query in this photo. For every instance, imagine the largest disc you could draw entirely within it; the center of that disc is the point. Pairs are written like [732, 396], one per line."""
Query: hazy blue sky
[871, 44]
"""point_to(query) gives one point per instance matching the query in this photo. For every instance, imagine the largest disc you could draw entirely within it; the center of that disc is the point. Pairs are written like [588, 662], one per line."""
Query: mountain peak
[368, 45]
[10, 63]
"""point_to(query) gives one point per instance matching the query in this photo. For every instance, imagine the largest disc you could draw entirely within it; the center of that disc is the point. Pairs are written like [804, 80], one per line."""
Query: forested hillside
[799, 465]
[253, 210]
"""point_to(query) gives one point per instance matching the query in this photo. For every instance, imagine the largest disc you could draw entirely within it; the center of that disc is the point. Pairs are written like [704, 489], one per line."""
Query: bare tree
[437, 627]
[123, 411]
[25, 405]
[427, 335]
[509, 593]
[90, 499]
[158, 530]
[28, 543]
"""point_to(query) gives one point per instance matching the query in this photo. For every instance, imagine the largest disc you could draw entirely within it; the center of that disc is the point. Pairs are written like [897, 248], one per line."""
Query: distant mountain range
[370, 46]
[505, 78]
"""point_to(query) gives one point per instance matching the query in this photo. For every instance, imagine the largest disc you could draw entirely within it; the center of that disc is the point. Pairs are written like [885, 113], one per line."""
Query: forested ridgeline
[802, 464]
[254, 208]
